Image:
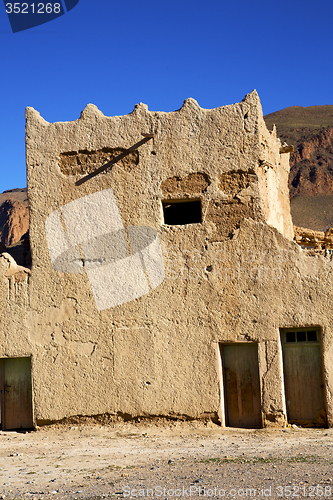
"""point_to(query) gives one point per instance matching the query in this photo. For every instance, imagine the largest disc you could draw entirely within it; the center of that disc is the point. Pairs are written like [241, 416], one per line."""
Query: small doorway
[242, 399]
[16, 393]
[303, 377]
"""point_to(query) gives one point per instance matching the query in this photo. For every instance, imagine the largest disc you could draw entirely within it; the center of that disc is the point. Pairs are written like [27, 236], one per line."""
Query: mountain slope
[14, 216]
[310, 131]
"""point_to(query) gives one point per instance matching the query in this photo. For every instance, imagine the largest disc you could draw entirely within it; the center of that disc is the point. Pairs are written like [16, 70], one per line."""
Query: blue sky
[116, 54]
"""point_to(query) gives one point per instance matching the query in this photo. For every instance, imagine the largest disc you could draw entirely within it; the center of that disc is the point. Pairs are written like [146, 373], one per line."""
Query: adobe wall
[140, 336]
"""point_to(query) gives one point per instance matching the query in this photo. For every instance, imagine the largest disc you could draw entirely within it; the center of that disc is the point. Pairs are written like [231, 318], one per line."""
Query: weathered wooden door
[16, 392]
[303, 376]
[241, 385]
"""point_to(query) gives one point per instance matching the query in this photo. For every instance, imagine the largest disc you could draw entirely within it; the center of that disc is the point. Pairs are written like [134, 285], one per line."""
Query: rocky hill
[14, 225]
[14, 216]
[310, 131]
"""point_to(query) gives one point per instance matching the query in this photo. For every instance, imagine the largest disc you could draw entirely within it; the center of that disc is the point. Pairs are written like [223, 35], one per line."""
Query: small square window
[301, 336]
[312, 336]
[291, 336]
[181, 212]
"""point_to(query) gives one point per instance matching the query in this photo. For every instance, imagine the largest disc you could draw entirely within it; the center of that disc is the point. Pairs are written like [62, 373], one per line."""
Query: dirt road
[167, 461]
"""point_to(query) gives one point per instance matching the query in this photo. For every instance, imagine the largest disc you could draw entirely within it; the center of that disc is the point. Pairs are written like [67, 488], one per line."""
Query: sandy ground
[167, 461]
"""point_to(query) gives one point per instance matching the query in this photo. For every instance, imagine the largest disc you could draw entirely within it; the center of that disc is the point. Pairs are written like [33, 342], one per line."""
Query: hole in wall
[181, 212]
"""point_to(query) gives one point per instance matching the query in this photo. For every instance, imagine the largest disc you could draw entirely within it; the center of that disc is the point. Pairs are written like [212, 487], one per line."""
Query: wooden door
[16, 401]
[303, 377]
[241, 385]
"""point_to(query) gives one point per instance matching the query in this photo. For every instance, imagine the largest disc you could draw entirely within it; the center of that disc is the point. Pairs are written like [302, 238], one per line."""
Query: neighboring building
[169, 284]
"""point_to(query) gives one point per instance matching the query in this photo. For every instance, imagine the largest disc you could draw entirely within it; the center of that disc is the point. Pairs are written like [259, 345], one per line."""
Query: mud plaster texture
[236, 276]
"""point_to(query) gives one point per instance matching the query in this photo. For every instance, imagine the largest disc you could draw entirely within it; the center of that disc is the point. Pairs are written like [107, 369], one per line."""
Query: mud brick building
[165, 280]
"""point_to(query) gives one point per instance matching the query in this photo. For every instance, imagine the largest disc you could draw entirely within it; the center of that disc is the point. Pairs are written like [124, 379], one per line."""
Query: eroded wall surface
[122, 313]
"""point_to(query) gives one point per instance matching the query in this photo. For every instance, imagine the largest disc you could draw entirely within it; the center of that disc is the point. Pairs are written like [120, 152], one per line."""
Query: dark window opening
[291, 337]
[180, 212]
[301, 336]
[312, 336]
